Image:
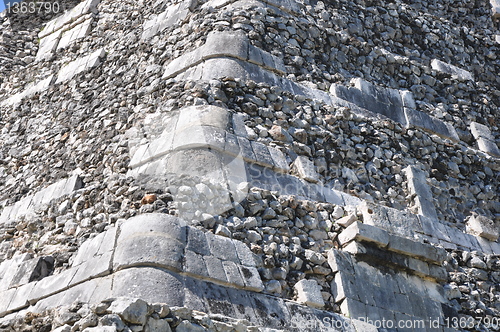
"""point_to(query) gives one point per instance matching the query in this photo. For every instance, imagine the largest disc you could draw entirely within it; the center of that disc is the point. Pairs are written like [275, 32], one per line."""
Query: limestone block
[72, 35]
[488, 146]
[255, 55]
[156, 239]
[215, 268]
[246, 149]
[495, 8]
[52, 285]
[305, 169]
[11, 268]
[231, 146]
[96, 267]
[262, 154]
[233, 273]
[251, 278]
[222, 44]
[80, 65]
[205, 115]
[4, 217]
[222, 248]
[430, 124]
[195, 265]
[354, 309]
[69, 17]
[309, 293]
[20, 299]
[6, 297]
[197, 242]
[215, 68]
[482, 226]
[438, 272]
[407, 99]
[245, 255]
[415, 249]
[154, 248]
[239, 125]
[340, 261]
[199, 137]
[376, 99]
[363, 232]
[333, 196]
[478, 130]
[32, 270]
[403, 222]
[417, 184]
[455, 72]
[48, 45]
[279, 160]
[152, 285]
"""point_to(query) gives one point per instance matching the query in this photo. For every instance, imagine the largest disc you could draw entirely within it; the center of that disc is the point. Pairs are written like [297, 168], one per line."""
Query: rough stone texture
[455, 72]
[187, 136]
[484, 227]
[309, 293]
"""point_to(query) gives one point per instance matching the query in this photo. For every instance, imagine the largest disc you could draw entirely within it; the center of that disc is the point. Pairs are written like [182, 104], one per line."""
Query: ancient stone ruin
[250, 165]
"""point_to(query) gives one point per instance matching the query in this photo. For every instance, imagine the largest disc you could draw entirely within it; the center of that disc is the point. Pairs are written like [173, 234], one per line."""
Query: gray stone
[197, 241]
[482, 226]
[495, 8]
[215, 268]
[353, 309]
[233, 273]
[222, 248]
[305, 169]
[262, 155]
[478, 130]
[430, 124]
[20, 299]
[195, 265]
[52, 284]
[251, 278]
[186, 326]
[309, 293]
[153, 285]
[417, 184]
[80, 65]
[488, 146]
[363, 232]
[132, 310]
[340, 261]
[455, 72]
[245, 255]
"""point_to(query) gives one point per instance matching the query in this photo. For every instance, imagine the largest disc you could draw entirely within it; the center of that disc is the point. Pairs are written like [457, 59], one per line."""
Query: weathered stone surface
[417, 184]
[305, 169]
[132, 310]
[309, 293]
[80, 65]
[455, 72]
[482, 226]
[431, 124]
[366, 233]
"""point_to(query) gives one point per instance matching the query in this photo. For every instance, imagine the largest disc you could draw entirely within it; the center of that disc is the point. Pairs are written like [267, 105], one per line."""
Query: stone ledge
[430, 124]
[174, 14]
[80, 65]
[155, 285]
[359, 232]
[221, 45]
[455, 72]
[69, 17]
[154, 240]
[32, 203]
